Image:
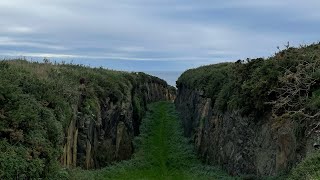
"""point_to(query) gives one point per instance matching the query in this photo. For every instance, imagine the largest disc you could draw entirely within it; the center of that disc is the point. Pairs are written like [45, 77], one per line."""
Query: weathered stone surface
[95, 141]
[242, 145]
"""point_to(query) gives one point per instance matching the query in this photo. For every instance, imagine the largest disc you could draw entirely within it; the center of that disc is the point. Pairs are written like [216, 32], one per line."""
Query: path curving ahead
[161, 152]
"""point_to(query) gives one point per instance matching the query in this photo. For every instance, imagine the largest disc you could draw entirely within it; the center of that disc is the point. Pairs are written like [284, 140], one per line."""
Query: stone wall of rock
[96, 141]
[242, 145]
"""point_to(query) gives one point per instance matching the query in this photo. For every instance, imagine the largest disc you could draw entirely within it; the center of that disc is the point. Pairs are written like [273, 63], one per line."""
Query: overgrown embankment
[258, 116]
[162, 153]
[69, 115]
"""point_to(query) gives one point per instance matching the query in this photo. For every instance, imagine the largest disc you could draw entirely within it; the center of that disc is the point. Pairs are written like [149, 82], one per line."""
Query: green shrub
[309, 168]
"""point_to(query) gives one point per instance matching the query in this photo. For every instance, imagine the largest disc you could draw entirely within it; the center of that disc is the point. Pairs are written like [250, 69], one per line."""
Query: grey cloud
[133, 30]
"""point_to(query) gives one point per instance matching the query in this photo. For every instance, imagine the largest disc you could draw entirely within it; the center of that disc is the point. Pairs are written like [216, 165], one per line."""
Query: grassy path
[161, 153]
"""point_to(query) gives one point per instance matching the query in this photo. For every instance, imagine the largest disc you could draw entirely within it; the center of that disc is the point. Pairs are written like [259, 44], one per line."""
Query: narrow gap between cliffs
[162, 152]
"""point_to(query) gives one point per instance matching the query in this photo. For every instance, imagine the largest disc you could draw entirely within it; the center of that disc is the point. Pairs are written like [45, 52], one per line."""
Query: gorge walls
[71, 115]
[241, 145]
[94, 141]
[258, 117]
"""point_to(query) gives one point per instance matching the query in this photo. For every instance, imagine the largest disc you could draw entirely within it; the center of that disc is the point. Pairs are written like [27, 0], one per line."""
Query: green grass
[161, 153]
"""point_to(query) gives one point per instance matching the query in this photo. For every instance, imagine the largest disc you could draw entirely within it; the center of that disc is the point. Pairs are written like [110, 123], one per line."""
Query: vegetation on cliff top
[286, 82]
[162, 153]
[37, 103]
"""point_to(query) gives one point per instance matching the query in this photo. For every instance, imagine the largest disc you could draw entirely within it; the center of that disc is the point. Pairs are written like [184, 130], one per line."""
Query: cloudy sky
[155, 36]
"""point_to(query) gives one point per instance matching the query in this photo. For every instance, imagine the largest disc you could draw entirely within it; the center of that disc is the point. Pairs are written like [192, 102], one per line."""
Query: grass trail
[161, 153]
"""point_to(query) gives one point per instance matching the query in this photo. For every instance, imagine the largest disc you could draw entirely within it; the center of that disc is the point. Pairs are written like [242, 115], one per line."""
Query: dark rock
[241, 145]
[94, 142]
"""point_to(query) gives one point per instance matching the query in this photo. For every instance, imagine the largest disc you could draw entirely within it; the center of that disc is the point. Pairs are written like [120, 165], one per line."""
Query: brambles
[294, 91]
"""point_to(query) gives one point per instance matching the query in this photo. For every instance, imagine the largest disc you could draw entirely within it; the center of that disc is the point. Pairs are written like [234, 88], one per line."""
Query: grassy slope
[37, 103]
[163, 153]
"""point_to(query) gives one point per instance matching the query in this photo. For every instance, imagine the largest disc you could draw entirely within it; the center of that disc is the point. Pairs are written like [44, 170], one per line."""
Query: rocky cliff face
[69, 114]
[242, 145]
[93, 140]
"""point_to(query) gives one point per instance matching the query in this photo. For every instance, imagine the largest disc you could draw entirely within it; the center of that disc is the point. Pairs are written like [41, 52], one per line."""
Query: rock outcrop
[93, 140]
[242, 145]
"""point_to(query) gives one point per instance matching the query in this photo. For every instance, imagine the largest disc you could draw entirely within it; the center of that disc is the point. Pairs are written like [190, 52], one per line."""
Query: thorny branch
[293, 93]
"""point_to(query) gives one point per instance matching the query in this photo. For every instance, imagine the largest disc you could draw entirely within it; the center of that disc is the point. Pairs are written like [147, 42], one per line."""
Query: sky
[161, 37]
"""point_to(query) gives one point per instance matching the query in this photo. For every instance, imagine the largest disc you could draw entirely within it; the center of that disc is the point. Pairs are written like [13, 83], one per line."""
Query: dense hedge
[254, 85]
[38, 101]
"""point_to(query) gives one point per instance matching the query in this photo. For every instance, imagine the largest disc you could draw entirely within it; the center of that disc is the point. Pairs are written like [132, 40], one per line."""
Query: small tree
[46, 60]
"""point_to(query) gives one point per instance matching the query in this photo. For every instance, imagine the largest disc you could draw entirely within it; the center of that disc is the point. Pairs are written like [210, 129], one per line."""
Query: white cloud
[17, 29]
[7, 41]
[131, 49]
[40, 55]
[104, 57]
